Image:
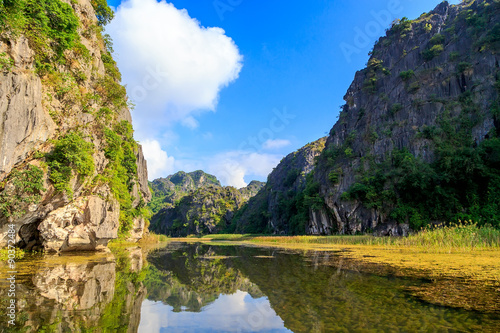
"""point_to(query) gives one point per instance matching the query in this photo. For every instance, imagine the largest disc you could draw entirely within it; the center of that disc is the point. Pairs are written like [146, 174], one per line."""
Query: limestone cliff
[167, 191]
[416, 143]
[72, 175]
[196, 203]
[278, 204]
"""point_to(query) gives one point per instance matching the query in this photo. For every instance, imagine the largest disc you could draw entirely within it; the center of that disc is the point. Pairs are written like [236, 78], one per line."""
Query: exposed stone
[77, 286]
[34, 110]
[288, 177]
[142, 173]
[86, 224]
[25, 125]
[372, 128]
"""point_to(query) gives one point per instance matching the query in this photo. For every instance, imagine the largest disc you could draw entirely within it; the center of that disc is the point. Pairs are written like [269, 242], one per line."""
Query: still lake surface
[222, 288]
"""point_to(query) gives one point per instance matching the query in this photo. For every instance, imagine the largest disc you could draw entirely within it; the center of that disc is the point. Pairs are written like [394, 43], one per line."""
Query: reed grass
[456, 237]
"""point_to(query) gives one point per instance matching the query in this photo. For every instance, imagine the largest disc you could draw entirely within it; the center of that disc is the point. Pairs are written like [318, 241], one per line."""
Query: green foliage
[104, 114]
[454, 56]
[257, 219]
[334, 176]
[373, 67]
[71, 154]
[475, 19]
[492, 39]
[291, 177]
[50, 25]
[113, 94]
[121, 172]
[427, 27]
[82, 51]
[463, 183]
[27, 186]
[206, 210]
[111, 67]
[413, 87]
[432, 52]
[395, 108]
[103, 12]
[108, 43]
[6, 62]
[370, 85]
[463, 66]
[437, 39]
[406, 75]
[402, 27]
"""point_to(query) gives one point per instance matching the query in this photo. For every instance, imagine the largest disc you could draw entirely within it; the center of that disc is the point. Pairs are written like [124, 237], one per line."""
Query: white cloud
[231, 168]
[173, 67]
[159, 164]
[275, 144]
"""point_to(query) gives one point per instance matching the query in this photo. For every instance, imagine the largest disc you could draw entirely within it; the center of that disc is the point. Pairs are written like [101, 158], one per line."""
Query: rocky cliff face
[208, 210]
[173, 188]
[72, 176]
[417, 141]
[196, 203]
[417, 136]
[275, 205]
[251, 189]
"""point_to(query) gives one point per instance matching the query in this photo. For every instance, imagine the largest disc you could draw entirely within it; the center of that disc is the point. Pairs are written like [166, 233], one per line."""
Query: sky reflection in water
[238, 312]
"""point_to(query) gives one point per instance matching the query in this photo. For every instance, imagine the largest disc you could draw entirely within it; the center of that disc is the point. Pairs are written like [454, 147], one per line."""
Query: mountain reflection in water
[208, 288]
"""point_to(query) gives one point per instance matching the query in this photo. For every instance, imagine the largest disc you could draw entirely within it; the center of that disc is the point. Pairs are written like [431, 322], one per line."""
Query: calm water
[207, 288]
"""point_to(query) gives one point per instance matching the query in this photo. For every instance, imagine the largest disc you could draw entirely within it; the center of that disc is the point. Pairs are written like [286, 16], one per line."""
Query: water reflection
[207, 288]
[77, 293]
[238, 312]
[306, 294]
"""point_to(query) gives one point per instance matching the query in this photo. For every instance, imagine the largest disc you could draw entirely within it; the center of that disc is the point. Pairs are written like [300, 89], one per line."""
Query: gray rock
[87, 224]
[25, 125]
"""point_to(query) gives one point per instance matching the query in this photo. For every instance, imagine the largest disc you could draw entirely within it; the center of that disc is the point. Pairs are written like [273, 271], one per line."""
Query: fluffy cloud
[275, 144]
[231, 168]
[173, 67]
[159, 164]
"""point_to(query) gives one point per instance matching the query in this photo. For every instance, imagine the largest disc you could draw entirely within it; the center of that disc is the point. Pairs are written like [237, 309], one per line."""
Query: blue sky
[294, 59]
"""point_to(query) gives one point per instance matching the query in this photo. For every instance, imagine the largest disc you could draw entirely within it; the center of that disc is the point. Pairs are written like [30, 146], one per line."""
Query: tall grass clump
[463, 236]
[460, 237]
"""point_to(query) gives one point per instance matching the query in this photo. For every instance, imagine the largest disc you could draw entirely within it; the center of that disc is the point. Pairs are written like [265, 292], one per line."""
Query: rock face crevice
[38, 107]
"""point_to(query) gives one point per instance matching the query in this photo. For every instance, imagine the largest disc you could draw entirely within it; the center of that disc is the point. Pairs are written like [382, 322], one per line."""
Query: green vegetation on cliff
[418, 141]
[50, 25]
[167, 192]
[208, 209]
[80, 111]
[196, 203]
[462, 182]
[121, 173]
[71, 155]
[27, 186]
[283, 204]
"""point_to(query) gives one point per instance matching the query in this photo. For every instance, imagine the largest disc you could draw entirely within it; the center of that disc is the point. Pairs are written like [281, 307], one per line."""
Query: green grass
[460, 237]
[230, 237]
